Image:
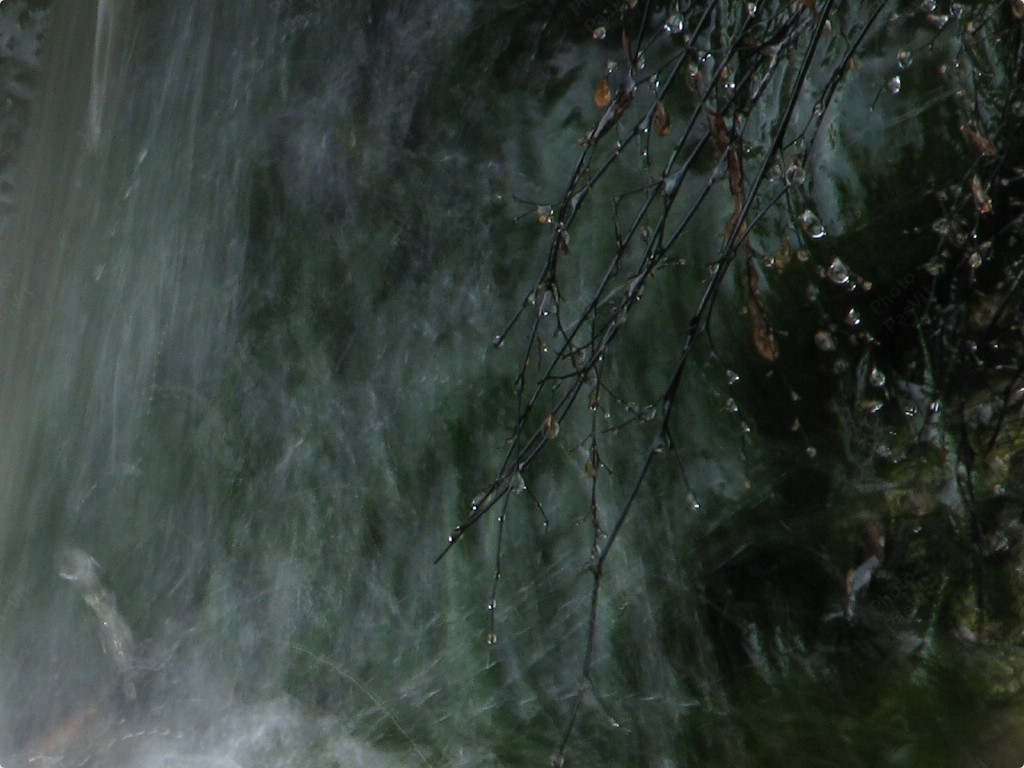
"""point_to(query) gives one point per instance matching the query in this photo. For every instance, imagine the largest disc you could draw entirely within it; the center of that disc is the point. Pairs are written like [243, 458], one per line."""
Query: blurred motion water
[232, 315]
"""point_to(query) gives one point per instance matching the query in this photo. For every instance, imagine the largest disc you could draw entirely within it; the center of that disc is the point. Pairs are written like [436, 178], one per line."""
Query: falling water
[217, 276]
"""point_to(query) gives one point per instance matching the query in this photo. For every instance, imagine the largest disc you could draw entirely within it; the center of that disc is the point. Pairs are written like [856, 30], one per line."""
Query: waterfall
[190, 401]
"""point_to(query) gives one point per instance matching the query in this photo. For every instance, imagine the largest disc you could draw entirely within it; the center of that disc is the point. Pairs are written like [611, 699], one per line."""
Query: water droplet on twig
[824, 341]
[674, 24]
[812, 225]
[838, 272]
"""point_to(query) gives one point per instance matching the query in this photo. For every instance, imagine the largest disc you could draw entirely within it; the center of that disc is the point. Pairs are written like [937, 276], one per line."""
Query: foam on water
[275, 732]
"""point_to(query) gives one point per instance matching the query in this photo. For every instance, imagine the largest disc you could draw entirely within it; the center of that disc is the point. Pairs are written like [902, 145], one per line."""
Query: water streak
[79, 567]
[101, 60]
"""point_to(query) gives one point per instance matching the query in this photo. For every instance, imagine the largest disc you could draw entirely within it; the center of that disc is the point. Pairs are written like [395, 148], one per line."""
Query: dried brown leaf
[662, 121]
[984, 145]
[764, 337]
[623, 98]
[982, 202]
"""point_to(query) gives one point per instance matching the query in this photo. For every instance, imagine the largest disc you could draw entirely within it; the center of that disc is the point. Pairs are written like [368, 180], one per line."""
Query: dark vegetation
[21, 25]
[895, 346]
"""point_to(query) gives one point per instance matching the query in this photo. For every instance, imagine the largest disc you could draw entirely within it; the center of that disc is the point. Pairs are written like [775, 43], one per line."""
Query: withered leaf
[984, 145]
[623, 98]
[783, 255]
[982, 202]
[662, 122]
[764, 337]
[603, 94]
